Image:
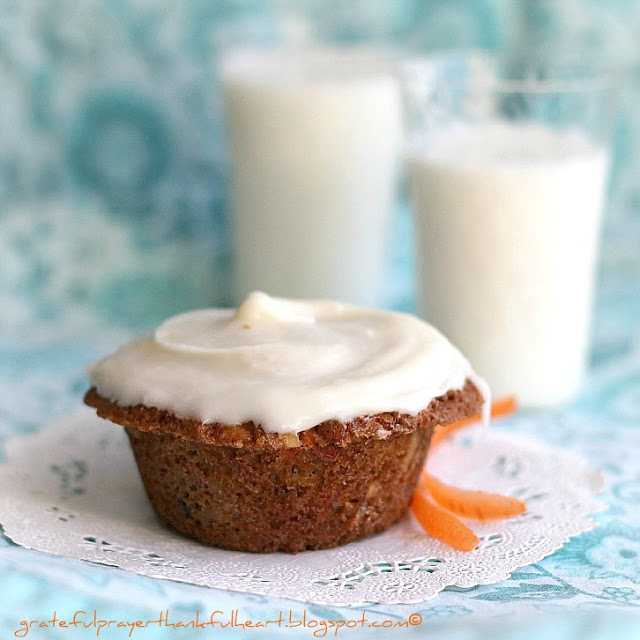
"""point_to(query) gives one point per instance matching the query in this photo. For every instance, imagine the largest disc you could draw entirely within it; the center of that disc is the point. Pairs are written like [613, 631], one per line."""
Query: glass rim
[268, 63]
[425, 67]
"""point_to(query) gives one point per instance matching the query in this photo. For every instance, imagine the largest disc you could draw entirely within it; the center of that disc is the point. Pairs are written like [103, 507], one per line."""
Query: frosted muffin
[283, 425]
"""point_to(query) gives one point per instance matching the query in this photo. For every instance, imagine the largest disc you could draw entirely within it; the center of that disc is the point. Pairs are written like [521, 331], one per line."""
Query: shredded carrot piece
[437, 505]
[501, 407]
[477, 505]
[442, 524]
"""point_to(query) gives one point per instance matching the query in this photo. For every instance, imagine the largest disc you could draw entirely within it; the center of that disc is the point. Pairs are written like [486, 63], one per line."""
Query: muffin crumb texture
[239, 487]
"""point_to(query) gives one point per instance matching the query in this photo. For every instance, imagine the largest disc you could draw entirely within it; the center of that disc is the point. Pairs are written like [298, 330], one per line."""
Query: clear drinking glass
[316, 139]
[507, 181]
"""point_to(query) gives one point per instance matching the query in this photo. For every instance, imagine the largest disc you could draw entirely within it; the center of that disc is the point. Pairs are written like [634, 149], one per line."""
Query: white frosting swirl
[285, 365]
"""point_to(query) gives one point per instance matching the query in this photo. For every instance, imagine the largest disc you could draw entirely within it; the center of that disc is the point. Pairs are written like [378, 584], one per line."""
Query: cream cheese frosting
[286, 365]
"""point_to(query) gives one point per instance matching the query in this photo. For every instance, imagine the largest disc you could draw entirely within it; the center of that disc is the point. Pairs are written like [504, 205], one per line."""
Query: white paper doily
[73, 489]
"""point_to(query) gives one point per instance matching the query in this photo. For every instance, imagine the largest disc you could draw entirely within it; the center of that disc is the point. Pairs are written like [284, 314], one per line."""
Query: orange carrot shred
[437, 505]
[468, 503]
[442, 524]
[499, 408]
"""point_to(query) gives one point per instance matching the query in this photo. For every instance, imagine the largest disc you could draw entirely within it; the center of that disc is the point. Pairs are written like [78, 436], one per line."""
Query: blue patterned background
[112, 164]
[113, 214]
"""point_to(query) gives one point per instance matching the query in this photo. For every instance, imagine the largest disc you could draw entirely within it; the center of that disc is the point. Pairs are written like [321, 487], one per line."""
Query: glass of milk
[507, 182]
[316, 142]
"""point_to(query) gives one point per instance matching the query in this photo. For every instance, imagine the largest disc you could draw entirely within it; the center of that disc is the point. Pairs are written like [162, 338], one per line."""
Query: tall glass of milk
[316, 142]
[507, 182]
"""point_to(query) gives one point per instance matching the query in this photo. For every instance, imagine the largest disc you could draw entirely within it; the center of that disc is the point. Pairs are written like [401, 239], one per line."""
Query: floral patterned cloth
[596, 572]
[112, 215]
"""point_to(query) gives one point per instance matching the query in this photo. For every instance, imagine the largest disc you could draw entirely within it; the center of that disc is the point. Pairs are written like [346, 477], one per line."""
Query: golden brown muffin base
[279, 499]
[237, 487]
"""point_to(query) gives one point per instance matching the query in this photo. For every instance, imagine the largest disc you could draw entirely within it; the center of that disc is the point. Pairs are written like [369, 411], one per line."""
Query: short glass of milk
[316, 146]
[507, 181]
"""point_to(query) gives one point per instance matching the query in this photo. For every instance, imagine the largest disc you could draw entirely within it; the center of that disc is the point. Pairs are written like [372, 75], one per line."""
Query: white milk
[315, 142]
[507, 219]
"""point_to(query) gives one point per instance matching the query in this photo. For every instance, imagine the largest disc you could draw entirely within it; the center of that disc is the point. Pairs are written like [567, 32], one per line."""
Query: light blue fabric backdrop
[113, 214]
[112, 160]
